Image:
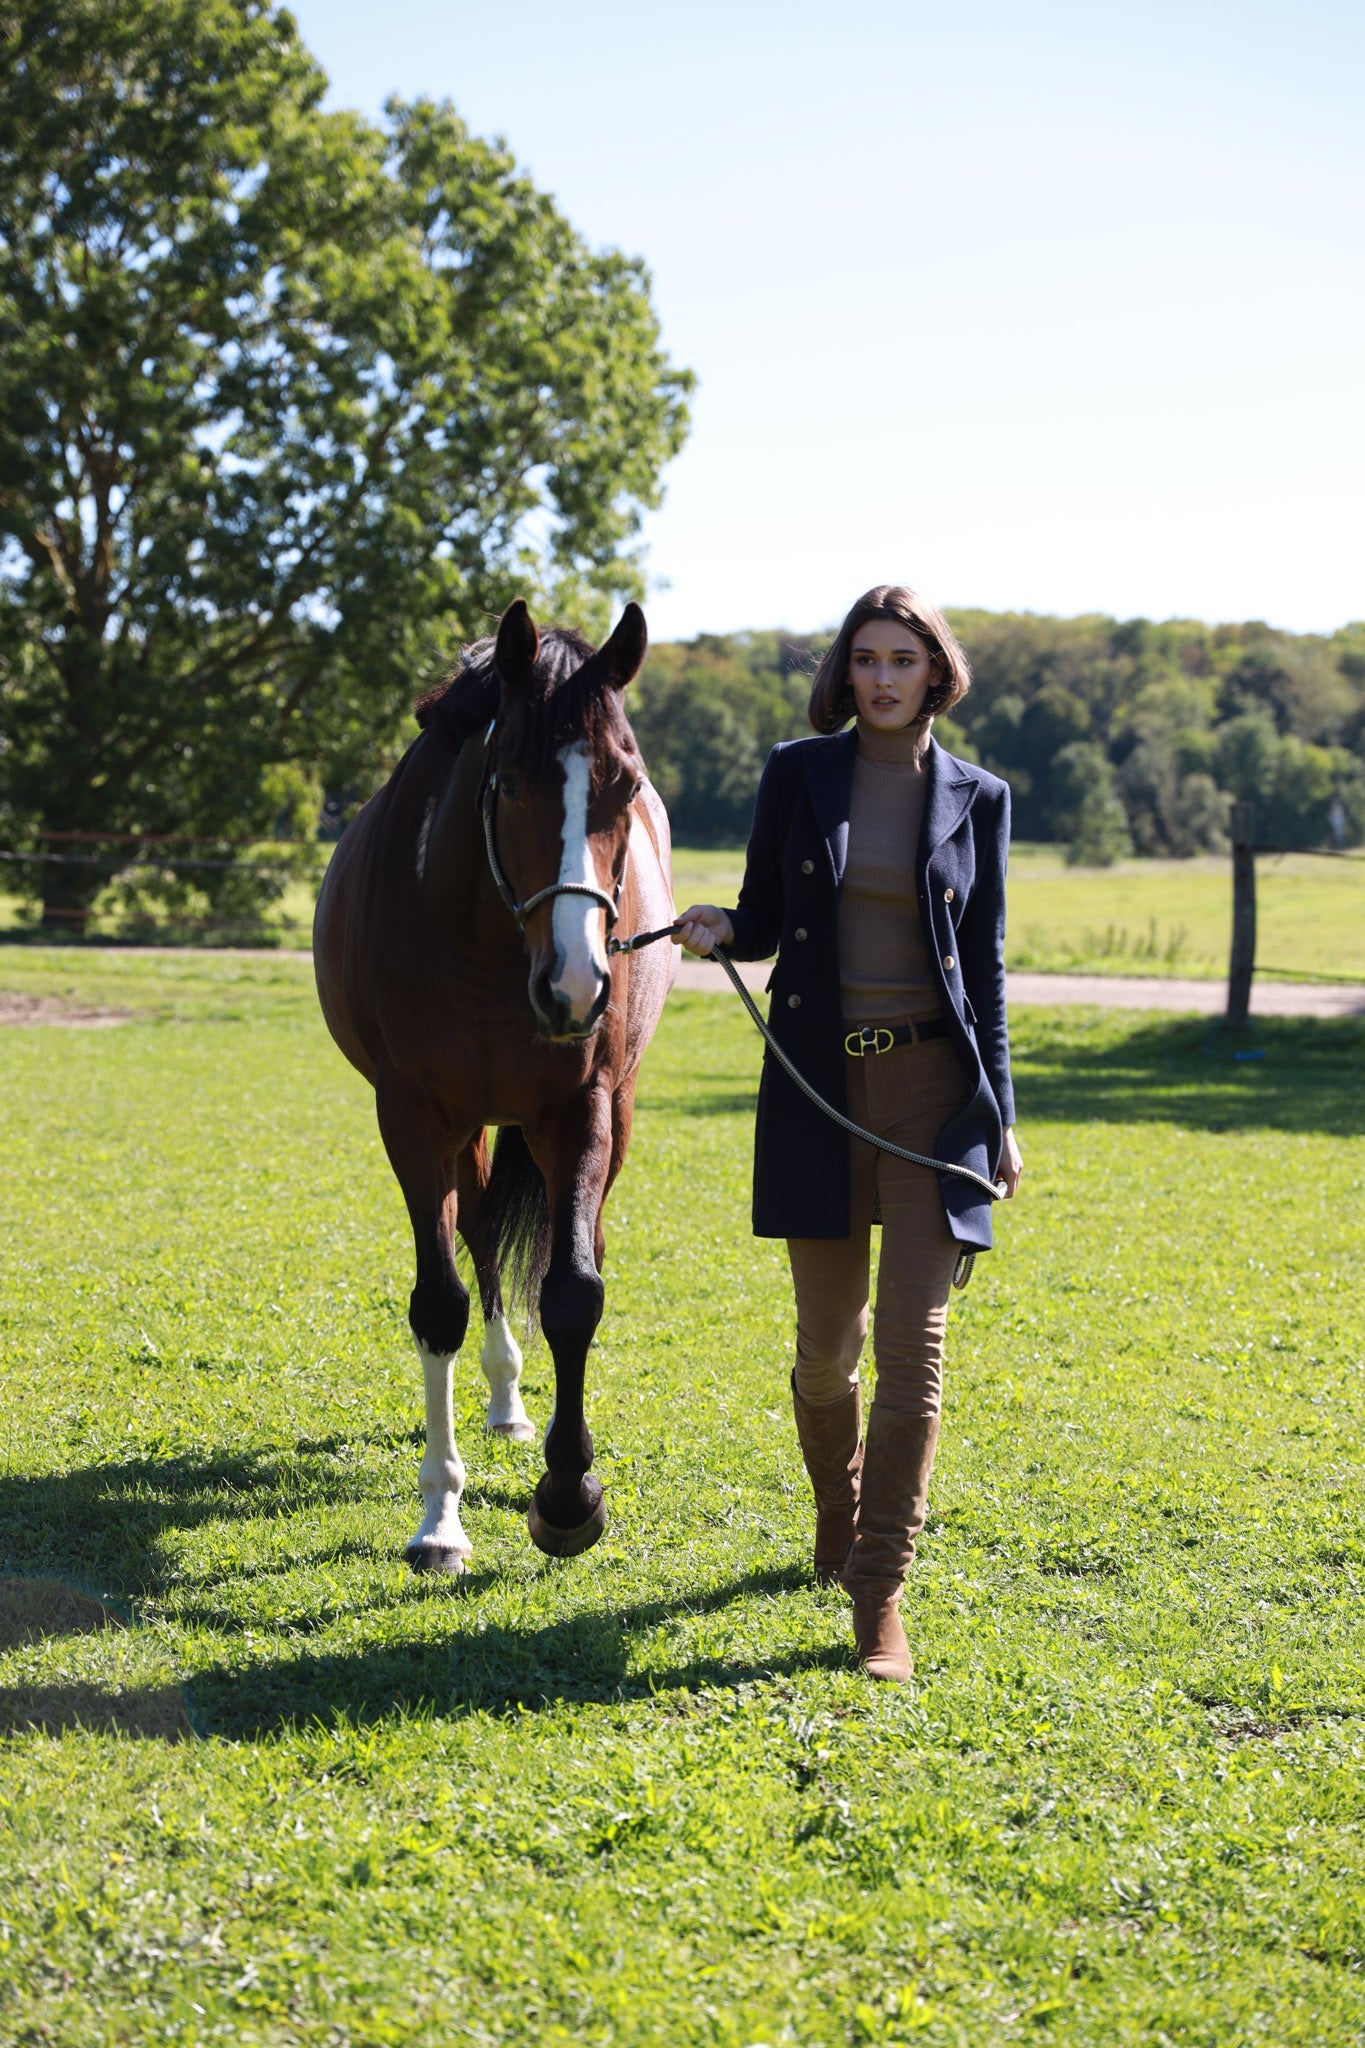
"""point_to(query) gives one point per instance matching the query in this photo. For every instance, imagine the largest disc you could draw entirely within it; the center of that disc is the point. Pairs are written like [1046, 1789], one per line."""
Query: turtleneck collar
[904, 749]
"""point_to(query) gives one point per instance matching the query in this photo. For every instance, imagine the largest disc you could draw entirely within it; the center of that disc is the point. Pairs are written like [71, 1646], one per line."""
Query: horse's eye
[510, 788]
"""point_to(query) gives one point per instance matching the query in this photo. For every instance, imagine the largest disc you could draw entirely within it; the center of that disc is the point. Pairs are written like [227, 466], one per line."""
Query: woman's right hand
[702, 927]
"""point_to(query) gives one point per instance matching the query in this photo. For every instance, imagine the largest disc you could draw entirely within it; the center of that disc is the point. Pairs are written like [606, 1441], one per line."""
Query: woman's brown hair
[831, 697]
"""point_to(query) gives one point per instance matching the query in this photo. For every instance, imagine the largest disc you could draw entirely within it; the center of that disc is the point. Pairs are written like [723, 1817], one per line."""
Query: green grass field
[641, 1797]
[1165, 917]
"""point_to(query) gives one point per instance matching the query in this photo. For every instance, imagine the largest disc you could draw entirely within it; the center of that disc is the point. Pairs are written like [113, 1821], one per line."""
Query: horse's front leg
[438, 1315]
[574, 1152]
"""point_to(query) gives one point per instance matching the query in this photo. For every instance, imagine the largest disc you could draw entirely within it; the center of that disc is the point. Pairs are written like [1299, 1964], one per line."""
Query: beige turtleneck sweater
[883, 963]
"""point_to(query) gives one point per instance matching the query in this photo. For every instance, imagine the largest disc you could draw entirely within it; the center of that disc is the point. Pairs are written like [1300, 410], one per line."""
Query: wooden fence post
[1242, 963]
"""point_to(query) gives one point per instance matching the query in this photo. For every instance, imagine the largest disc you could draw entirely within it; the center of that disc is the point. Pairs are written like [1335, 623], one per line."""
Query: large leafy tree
[289, 403]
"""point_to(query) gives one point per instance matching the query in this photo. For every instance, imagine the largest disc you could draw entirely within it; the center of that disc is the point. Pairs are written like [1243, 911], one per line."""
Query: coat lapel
[947, 799]
[829, 778]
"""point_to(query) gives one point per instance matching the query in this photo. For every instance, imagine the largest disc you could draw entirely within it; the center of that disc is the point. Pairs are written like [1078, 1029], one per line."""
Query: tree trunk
[68, 893]
[1242, 964]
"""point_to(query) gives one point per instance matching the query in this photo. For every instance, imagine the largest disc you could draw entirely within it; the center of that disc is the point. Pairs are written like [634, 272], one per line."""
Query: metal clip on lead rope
[640, 939]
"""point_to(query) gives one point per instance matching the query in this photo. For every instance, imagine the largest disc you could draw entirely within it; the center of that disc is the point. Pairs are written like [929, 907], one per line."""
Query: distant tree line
[1115, 736]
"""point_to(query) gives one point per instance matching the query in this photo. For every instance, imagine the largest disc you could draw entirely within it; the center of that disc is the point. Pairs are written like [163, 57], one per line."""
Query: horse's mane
[466, 699]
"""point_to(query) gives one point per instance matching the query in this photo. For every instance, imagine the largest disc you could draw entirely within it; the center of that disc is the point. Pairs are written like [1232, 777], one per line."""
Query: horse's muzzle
[558, 1017]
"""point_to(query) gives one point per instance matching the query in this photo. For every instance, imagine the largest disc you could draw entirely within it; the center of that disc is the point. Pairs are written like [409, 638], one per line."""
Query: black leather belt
[877, 1038]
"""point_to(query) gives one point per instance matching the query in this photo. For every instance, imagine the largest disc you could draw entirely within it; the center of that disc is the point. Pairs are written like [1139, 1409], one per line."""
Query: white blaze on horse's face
[580, 963]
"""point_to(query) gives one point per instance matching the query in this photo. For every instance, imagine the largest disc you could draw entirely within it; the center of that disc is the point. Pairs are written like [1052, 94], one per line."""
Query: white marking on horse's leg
[579, 960]
[501, 1362]
[440, 1544]
[423, 836]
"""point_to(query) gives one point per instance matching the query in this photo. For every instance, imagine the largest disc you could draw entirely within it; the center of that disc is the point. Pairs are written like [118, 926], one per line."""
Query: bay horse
[462, 967]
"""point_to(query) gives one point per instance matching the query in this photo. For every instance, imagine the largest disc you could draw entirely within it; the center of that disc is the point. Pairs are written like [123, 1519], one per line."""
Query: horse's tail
[514, 1220]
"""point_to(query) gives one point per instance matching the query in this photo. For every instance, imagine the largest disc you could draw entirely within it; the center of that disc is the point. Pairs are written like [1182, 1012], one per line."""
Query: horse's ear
[518, 644]
[623, 656]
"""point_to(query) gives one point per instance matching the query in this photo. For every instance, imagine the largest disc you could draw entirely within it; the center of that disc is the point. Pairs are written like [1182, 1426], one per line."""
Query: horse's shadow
[482, 1667]
[103, 1527]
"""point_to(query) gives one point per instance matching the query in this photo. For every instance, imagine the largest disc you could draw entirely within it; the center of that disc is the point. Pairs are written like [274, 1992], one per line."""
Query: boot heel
[880, 1634]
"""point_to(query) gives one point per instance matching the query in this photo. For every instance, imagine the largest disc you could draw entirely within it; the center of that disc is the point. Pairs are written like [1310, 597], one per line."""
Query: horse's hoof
[437, 1557]
[516, 1432]
[557, 1542]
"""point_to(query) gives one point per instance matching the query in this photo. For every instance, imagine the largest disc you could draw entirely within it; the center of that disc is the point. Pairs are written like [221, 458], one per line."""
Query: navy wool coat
[789, 903]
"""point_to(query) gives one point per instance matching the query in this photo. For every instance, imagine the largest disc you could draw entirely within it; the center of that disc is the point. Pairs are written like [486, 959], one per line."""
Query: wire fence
[1348, 853]
[149, 854]
[1352, 854]
[124, 866]
[76, 849]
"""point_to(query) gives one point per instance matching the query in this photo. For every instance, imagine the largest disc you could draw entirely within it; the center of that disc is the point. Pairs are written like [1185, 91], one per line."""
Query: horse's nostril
[545, 1002]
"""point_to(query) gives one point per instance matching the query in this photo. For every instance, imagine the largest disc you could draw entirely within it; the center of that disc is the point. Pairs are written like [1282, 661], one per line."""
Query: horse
[461, 954]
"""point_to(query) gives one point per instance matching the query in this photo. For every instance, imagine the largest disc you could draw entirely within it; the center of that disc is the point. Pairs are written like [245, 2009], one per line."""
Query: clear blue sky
[1045, 306]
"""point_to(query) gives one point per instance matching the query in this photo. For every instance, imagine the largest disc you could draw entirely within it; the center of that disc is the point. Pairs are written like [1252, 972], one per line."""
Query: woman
[876, 870]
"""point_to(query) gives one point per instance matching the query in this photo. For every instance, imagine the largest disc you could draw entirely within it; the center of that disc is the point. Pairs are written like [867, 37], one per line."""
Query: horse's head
[557, 805]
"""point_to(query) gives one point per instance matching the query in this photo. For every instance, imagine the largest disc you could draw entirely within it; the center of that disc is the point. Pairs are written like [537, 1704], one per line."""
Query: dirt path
[26, 1009]
[1106, 991]
[1209, 998]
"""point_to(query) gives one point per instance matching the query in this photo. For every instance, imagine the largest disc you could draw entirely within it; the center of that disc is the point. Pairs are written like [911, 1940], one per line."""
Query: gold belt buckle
[868, 1039]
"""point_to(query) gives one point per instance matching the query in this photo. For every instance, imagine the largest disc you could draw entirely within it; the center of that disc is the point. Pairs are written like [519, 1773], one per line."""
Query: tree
[1087, 805]
[706, 714]
[289, 404]
[1172, 809]
[1169, 704]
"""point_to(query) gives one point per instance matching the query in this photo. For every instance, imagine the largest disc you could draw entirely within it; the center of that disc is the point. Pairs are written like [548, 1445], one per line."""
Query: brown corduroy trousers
[907, 1095]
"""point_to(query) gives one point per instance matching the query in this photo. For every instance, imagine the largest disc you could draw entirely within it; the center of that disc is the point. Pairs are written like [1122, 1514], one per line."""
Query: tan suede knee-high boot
[892, 1506]
[830, 1439]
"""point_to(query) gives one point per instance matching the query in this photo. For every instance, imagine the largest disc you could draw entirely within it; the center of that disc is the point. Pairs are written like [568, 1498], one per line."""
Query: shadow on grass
[584, 1658]
[154, 1713]
[701, 1102]
[1294, 1073]
[103, 1524]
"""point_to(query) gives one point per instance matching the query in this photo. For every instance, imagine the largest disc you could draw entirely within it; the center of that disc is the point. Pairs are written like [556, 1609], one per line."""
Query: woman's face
[890, 672]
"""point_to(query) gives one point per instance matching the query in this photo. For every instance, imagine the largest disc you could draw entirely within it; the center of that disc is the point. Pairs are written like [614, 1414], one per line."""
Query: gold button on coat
[808, 867]
[801, 932]
[948, 962]
[947, 895]
[793, 1002]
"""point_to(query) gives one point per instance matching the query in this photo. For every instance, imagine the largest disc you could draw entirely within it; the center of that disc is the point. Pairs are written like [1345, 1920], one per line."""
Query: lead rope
[995, 1189]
